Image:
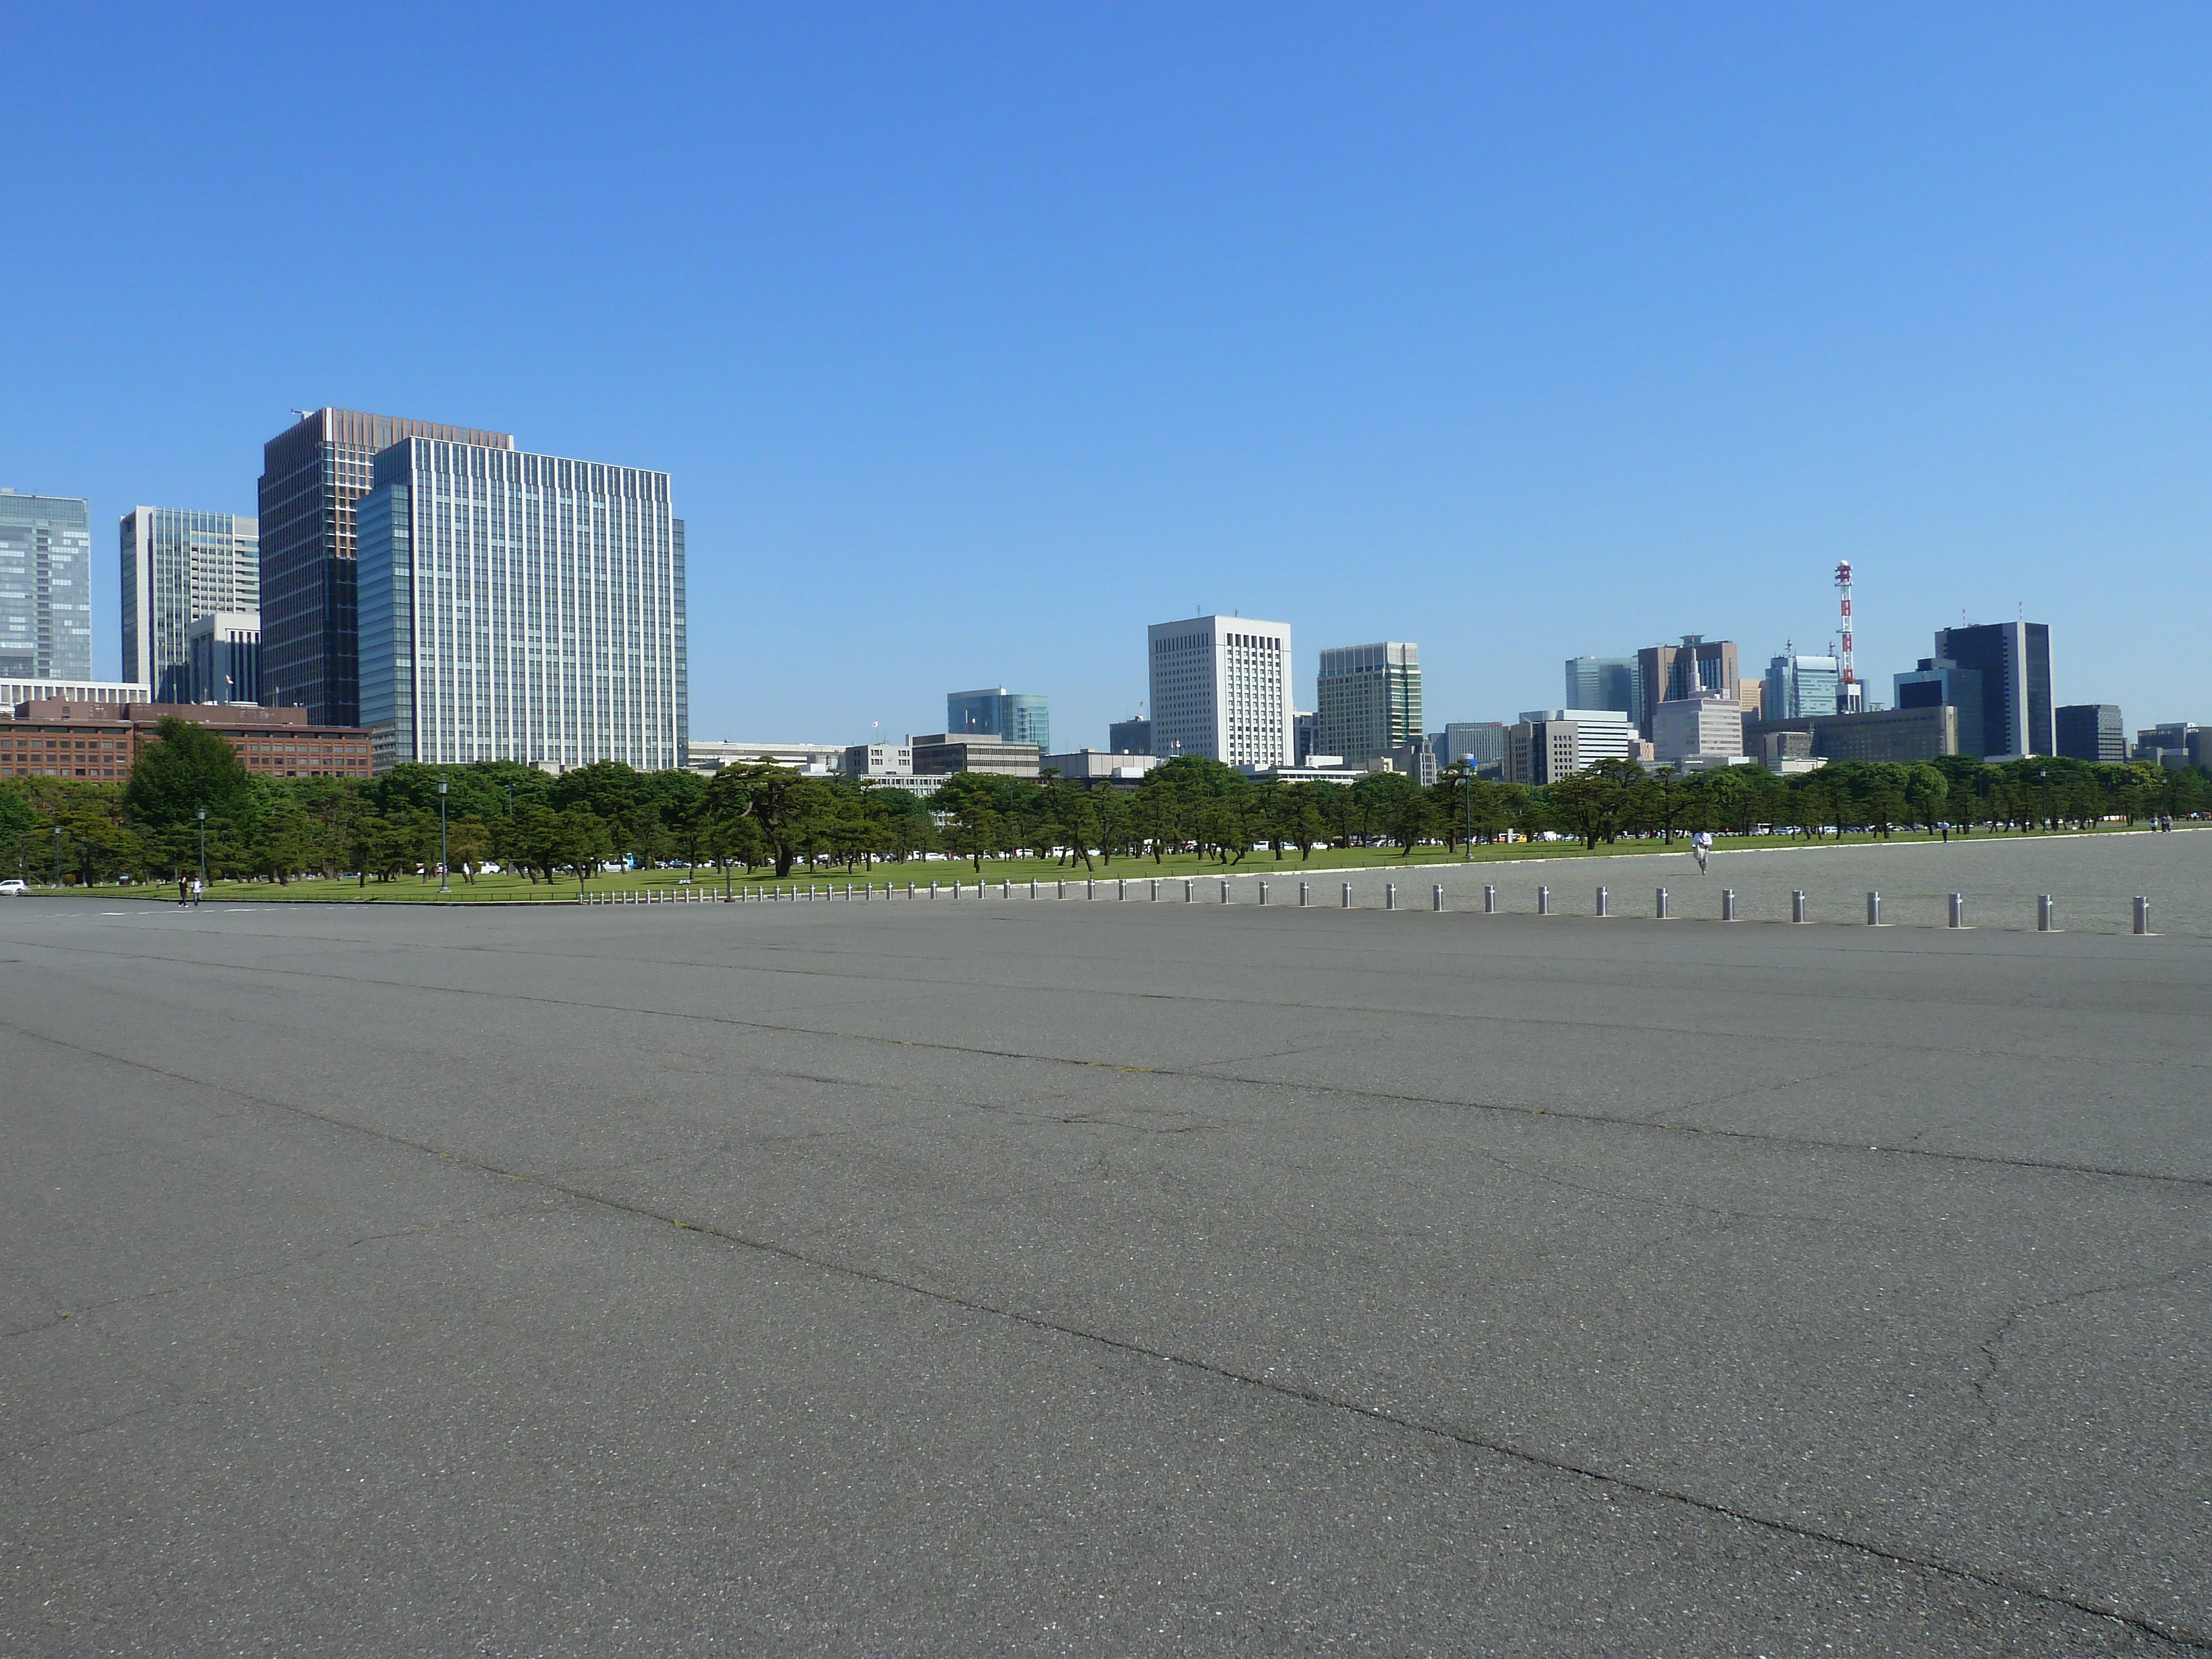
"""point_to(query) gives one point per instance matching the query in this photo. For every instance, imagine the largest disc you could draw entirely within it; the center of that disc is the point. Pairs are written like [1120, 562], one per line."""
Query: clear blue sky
[976, 338]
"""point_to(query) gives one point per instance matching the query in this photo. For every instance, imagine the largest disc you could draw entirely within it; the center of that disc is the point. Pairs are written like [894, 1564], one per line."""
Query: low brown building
[100, 741]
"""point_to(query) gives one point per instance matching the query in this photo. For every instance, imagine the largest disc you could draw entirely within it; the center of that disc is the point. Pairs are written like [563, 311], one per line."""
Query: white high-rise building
[1599, 733]
[177, 566]
[1221, 688]
[521, 607]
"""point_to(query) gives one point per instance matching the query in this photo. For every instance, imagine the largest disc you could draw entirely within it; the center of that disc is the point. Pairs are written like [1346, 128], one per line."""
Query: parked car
[13, 889]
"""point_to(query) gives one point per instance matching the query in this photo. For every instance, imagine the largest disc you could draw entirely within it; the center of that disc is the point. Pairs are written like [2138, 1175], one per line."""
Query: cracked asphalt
[999, 1278]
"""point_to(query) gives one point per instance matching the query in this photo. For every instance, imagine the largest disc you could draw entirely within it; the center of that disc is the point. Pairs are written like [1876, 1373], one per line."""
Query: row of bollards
[2045, 906]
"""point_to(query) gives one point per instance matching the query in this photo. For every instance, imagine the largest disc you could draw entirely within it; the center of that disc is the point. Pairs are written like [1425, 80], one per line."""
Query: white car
[13, 889]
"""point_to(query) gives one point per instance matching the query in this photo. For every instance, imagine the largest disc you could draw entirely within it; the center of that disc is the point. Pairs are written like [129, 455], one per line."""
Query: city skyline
[1256, 315]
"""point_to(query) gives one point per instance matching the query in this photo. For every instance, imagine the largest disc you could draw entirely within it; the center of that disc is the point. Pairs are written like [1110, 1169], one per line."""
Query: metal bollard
[1958, 909]
[2143, 914]
[1263, 892]
[1604, 908]
[932, 890]
[1437, 897]
[1489, 900]
[1063, 887]
[1727, 904]
[2043, 914]
[1224, 892]
[849, 892]
[1091, 889]
[1120, 887]
[1873, 909]
[1302, 894]
[1032, 886]
[1346, 900]
[1661, 909]
[1156, 889]
[1189, 892]
[1797, 906]
[1390, 895]
[1543, 901]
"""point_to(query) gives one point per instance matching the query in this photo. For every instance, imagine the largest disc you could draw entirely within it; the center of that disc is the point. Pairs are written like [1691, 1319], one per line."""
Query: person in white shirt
[1701, 844]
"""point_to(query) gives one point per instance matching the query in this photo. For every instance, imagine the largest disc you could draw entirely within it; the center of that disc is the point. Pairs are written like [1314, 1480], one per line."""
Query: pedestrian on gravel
[184, 893]
[1702, 844]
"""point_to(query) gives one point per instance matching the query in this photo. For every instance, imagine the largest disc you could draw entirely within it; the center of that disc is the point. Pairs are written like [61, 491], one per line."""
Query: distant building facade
[1130, 737]
[1540, 751]
[1798, 687]
[521, 607]
[1880, 734]
[1221, 686]
[46, 587]
[1305, 728]
[179, 566]
[2011, 665]
[1089, 766]
[312, 476]
[1706, 724]
[54, 738]
[223, 651]
[941, 754]
[1367, 700]
[1673, 673]
[1603, 682]
[1481, 742]
[71, 690]
[2175, 743]
[1016, 716]
[2092, 732]
[712, 756]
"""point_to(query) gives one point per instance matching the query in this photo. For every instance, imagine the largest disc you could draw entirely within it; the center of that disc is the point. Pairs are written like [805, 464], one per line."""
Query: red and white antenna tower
[1844, 588]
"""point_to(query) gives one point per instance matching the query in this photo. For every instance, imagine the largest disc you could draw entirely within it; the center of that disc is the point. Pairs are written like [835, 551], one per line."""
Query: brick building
[98, 742]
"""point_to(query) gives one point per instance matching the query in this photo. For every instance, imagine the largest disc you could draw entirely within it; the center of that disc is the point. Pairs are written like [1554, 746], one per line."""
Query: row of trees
[760, 815]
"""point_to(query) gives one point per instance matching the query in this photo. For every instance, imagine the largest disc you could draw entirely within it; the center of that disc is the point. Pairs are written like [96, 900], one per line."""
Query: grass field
[516, 890]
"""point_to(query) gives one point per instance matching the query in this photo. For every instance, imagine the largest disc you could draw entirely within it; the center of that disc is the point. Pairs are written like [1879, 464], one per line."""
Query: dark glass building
[1997, 676]
[2093, 731]
[311, 477]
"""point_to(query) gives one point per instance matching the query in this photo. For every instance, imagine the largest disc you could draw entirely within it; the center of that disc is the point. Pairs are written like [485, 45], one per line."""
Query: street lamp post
[203, 816]
[57, 855]
[444, 884]
[1468, 790]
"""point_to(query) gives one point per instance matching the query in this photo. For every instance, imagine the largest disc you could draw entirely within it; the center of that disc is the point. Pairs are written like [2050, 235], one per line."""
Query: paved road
[995, 1278]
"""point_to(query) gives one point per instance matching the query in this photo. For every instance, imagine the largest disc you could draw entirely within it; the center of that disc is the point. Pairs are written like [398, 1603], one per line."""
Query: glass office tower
[521, 607]
[1011, 716]
[46, 587]
[312, 475]
[1602, 683]
[177, 566]
[1798, 687]
[1367, 700]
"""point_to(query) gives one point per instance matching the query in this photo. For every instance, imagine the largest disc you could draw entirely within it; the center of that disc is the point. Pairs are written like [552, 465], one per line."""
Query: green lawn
[514, 889]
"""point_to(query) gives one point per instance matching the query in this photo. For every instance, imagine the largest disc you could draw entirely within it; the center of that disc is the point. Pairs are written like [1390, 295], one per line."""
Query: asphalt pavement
[999, 1278]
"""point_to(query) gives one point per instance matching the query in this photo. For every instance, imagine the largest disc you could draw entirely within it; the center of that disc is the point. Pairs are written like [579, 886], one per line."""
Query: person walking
[199, 890]
[1702, 844]
[184, 892]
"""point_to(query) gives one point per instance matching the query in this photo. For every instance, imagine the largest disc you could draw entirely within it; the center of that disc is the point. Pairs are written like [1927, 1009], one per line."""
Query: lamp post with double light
[202, 816]
[444, 884]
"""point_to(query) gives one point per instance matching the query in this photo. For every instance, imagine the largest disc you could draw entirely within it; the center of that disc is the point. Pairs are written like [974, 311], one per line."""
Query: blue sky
[976, 338]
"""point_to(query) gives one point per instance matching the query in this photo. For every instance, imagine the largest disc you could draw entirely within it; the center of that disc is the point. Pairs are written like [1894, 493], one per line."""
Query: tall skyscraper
[177, 566]
[521, 607]
[1673, 673]
[312, 475]
[2013, 663]
[1798, 687]
[1221, 687]
[1367, 700]
[2093, 731]
[1015, 716]
[1601, 683]
[46, 587]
